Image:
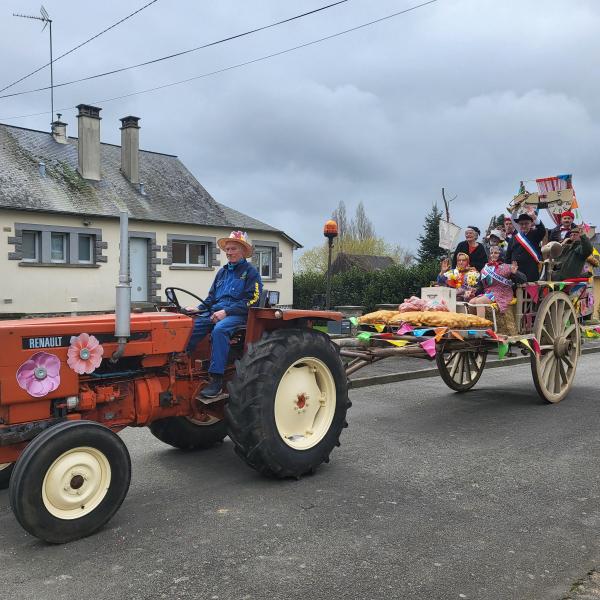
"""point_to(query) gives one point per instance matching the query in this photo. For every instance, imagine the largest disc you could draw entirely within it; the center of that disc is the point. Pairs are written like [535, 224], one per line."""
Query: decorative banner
[379, 327]
[406, 328]
[365, 336]
[536, 347]
[399, 343]
[472, 332]
[533, 291]
[502, 350]
[420, 332]
[439, 333]
[491, 333]
[525, 343]
[561, 286]
[457, 336]
[354, 321]
[429, 347]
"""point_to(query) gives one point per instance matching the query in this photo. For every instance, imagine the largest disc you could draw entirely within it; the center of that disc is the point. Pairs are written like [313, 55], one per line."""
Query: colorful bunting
[457, 335]
[364, 336]
[399, 343]
[525, 343]
[379, 327]
[491, 333]
[439, 333]
[536, 347]
[354, 321]
[502, 350]
[592, 333]
[429, 347]
[406, 328]
[420, 332]
[533, 291]
[561, 286]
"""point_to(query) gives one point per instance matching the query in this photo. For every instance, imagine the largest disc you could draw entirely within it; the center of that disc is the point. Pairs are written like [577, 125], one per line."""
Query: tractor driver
[237, 287]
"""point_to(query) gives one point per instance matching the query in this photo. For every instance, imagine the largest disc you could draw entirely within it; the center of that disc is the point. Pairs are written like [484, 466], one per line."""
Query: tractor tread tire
[250, 409]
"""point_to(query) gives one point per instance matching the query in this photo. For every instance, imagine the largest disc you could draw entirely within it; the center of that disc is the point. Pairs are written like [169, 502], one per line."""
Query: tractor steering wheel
[172, 298]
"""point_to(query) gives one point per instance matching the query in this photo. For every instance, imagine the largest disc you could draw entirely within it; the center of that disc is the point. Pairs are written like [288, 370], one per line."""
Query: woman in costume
[472, 248]
[496, 281]
[463, 278]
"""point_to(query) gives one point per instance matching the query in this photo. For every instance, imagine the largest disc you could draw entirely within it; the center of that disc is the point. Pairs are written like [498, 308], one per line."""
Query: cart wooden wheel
[460, 369]
[557, 331]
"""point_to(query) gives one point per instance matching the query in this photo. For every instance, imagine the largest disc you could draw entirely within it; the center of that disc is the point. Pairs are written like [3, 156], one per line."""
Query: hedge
[358, 288]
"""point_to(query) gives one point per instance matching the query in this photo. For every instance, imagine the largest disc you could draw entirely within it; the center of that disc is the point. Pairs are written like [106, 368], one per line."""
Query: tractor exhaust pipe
[123, 305]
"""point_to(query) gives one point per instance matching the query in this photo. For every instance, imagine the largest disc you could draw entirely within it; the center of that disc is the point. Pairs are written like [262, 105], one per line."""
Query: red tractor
[68, 384]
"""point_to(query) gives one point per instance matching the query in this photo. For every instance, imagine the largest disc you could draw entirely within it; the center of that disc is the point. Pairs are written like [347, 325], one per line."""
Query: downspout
[123, 305]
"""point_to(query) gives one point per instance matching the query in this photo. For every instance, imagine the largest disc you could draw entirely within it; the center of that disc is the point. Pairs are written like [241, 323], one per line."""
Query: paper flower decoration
[453, 278]
[472, 277]
[84, 354]
[39, 375]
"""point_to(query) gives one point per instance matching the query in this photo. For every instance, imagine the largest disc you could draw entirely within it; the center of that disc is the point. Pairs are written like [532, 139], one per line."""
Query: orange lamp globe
[330, 230]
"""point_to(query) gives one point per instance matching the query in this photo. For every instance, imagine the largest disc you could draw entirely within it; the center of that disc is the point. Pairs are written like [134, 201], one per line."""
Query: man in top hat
[524, 247]
[236, 288]
[562, 231]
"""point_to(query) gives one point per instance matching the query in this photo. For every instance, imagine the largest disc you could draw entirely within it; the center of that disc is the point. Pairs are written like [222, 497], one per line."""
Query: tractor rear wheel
[186, 433]
[69, 481]
[6, 470]
[287, 403]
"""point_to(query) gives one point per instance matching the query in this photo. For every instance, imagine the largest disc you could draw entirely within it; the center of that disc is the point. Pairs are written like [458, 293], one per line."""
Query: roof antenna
[46, 20]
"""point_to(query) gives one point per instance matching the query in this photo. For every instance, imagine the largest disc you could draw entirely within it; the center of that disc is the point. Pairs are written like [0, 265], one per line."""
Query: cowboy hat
[239, 237]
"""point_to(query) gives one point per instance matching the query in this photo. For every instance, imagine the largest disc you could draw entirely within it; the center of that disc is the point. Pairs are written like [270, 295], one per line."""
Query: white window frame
[187, 253]
[65, 238]
[259, 253]
[91, 243]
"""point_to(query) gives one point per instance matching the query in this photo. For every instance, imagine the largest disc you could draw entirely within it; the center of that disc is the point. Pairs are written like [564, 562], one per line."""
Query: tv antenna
[47, 21]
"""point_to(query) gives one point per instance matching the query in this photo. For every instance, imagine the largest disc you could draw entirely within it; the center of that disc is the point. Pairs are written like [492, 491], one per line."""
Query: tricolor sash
[488, 271]
[529, 248]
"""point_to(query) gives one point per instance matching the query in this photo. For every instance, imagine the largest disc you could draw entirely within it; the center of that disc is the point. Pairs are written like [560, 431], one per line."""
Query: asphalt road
[432, 495]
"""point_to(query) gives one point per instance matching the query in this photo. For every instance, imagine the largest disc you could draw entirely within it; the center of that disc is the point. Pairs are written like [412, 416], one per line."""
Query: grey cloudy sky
[473, 95]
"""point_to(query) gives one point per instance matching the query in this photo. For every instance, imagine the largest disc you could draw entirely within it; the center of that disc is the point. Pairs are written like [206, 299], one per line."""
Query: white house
[60, 199]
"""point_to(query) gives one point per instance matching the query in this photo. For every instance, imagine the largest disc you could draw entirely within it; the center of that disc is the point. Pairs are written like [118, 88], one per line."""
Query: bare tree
[362, 228]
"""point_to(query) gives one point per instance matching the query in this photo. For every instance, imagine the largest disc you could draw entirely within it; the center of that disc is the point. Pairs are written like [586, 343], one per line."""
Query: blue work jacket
[235, 290]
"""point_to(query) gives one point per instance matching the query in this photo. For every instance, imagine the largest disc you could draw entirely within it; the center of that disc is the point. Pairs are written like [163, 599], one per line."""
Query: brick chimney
[88, 146]
[130, 145]
[59, 130]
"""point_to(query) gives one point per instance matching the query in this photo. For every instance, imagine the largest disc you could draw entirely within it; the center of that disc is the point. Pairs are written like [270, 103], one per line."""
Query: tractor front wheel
[287, 403]
[6, 470]
[69, 481]
[186, 433]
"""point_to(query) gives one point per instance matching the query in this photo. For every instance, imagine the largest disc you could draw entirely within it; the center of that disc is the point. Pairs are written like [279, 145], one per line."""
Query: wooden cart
[549, 324]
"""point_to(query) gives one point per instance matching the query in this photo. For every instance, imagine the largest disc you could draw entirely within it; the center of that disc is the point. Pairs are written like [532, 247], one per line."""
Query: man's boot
[213, 389]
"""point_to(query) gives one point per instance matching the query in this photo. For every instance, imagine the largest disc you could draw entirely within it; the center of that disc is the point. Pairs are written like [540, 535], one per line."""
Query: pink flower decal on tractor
[39, 375]
[84, 354]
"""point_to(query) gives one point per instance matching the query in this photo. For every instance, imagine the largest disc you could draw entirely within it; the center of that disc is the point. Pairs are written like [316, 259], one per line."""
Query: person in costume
[236, 288]
[524, 248]
[463, 278]
[496, 281]
[576, 250]
[472, 248]
[509, 229]
[562, 231]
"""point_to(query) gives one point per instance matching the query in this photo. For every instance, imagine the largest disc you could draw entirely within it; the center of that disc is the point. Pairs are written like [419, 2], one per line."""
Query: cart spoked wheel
[557, 331]
[460, 369]
[287, 403]
[186, 433]
[69, 481]
[6, 470]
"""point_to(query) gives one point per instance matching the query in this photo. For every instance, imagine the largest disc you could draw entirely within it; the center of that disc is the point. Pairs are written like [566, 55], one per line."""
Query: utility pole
[46, 20]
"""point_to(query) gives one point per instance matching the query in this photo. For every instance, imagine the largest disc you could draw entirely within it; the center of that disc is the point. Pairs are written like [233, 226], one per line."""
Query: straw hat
[241, 238]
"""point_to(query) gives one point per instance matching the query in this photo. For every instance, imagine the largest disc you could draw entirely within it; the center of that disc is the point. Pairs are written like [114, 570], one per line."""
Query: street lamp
[330, 231]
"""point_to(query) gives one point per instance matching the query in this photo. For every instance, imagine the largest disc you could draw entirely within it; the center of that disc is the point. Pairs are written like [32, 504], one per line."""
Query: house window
[56, 245]
[31, 246]
[58, 248]
[263, 259]
[86, 249]
[189, 254]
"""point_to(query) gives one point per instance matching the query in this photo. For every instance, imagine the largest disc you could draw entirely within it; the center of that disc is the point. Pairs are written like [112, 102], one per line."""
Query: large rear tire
[287, 403]
[189, 434]
[69, 481]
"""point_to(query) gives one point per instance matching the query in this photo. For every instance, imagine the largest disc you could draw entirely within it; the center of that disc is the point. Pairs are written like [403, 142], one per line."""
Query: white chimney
[130, 145]
[59, 130]
[88, 128]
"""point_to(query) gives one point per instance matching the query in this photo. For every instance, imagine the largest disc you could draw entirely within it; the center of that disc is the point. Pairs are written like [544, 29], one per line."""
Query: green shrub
[359, 288]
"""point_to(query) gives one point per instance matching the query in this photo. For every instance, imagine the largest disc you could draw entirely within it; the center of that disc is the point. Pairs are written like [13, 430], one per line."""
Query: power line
[79, 45]
[176, 54]
[243, 64]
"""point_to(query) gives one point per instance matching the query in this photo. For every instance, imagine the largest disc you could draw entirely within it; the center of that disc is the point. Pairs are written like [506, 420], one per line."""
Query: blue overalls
[235, 289]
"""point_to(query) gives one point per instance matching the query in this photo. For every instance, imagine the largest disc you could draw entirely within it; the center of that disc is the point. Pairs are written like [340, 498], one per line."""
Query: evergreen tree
[429, 249]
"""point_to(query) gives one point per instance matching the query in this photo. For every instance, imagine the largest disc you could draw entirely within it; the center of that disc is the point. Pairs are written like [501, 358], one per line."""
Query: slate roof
[172, 193]
[363, 262]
